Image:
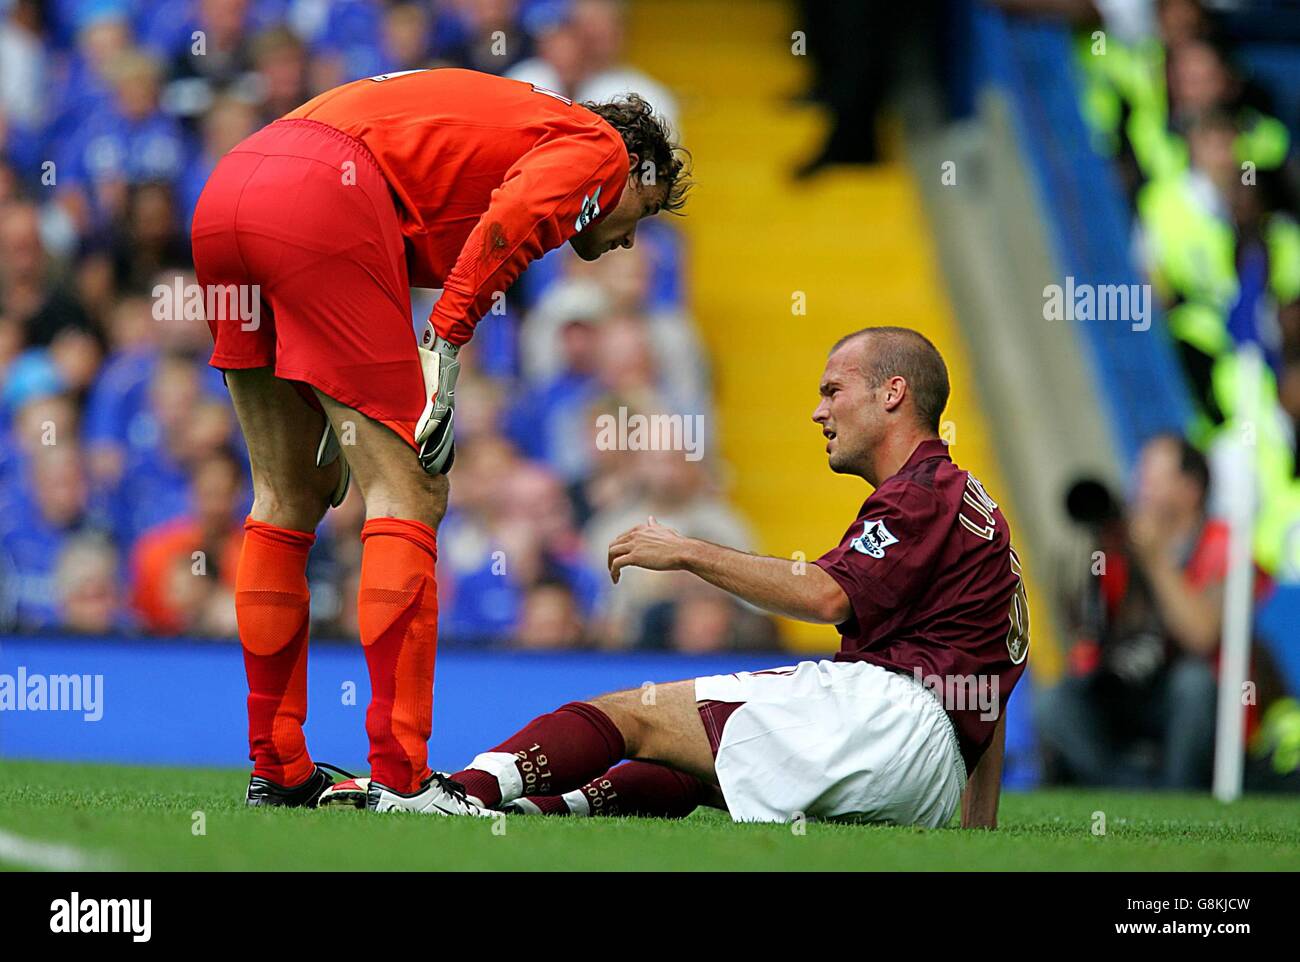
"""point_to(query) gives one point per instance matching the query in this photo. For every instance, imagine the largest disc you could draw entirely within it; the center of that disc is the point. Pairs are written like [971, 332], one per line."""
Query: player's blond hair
[903, 352]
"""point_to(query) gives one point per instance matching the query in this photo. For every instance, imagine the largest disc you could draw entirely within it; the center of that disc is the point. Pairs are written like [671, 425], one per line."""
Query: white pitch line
[29, 853]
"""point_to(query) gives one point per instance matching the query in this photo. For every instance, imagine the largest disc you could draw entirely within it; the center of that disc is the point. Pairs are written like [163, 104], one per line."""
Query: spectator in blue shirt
[155, 485]
[488, 35]
[54, 495]
[550, 422]
[120, 393]
[349, 44]
[224, 126]
[130, 142]
[210, 55]
[81, 88]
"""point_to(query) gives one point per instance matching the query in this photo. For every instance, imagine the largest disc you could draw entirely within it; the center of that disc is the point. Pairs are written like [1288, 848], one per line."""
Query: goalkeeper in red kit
[433, 178]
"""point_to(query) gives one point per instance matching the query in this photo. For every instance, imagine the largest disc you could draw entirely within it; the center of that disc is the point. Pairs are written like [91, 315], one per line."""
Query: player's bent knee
[414, 496]
[299, 508]
[655, 720]
[625, 710]
[436, 490]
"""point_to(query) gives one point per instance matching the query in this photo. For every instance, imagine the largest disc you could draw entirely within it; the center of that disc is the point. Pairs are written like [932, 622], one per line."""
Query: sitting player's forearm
[979, 802]
[801, 591]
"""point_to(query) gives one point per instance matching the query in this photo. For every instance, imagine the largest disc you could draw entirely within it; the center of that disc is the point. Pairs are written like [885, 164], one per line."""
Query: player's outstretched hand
[650, 545]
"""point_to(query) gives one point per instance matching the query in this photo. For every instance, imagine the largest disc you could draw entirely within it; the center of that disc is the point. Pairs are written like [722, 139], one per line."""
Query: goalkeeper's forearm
[795, 589]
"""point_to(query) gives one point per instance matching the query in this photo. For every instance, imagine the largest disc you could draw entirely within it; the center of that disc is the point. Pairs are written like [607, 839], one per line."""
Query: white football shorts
[834, 739]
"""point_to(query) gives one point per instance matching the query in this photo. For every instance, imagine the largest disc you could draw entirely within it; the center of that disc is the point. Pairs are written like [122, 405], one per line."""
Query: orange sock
[397, 609]
[271, 606]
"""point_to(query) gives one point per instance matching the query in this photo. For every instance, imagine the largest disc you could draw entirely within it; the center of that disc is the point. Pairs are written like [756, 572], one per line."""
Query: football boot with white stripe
[438, 795]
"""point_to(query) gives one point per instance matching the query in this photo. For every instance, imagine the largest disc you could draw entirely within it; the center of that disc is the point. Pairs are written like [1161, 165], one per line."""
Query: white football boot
[439, 795]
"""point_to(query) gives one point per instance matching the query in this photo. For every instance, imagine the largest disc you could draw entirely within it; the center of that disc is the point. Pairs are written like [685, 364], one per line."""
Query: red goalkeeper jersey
[488, 174]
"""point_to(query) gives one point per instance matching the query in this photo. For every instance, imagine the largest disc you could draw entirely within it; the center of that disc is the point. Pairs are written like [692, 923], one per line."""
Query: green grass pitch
[146, 818]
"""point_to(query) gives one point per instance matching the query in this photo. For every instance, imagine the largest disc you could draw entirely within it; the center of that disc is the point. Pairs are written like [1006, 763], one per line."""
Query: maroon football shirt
[936, 592]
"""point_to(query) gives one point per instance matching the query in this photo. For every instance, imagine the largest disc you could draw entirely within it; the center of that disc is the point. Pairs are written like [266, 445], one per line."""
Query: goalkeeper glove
[433, 432]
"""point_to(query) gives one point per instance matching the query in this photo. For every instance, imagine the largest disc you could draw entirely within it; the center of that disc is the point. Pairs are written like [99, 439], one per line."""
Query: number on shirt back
[1018, 633]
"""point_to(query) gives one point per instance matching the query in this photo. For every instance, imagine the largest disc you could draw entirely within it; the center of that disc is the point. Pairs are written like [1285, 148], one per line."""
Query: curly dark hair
[647, 134]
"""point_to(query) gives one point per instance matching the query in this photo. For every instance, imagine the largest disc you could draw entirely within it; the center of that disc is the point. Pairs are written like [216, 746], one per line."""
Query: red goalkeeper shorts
[301, 210]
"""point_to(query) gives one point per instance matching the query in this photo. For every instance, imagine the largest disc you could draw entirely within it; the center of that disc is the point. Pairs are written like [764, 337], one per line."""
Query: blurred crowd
[123, 480]
[1214, 181]
[1211, 175]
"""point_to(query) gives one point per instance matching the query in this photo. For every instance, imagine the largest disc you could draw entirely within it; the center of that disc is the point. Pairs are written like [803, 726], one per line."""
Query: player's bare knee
[437, 489]
[299, 508]
[415, 496]
[625, 710]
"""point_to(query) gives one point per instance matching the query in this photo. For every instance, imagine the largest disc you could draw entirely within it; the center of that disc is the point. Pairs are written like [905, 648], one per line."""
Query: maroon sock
[549, 804]
[634, 788]
[552, 754]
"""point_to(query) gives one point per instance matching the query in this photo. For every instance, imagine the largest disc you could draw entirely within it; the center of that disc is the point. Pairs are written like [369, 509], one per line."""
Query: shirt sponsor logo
[873, 541]
[590, 210]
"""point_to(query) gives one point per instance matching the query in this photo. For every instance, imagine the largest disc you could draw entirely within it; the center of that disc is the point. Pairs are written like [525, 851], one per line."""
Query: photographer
[1138, 706]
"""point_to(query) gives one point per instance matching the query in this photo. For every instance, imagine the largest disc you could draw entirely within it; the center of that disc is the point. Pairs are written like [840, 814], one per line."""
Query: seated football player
[903, 725]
